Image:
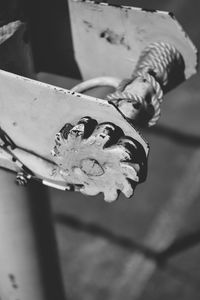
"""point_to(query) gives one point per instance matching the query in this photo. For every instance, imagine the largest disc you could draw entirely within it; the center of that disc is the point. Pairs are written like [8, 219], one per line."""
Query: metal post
[28, 259]
[20, 276]
[29, 268]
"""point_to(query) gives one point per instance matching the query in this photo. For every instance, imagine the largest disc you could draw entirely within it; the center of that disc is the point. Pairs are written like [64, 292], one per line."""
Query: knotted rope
[153, 72]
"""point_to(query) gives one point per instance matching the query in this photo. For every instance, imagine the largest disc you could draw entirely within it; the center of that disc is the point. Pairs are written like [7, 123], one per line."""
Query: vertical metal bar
[20, 276]
[29, 267]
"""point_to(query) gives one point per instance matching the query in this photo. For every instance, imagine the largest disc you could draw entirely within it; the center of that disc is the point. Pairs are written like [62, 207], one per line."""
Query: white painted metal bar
[108, 40]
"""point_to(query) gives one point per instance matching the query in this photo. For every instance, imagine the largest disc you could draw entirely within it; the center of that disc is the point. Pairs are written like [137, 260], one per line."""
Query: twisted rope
[154, 66]
[157, 96]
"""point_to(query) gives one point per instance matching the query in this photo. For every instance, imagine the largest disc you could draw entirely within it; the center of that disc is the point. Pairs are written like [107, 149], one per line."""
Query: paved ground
[97, 264]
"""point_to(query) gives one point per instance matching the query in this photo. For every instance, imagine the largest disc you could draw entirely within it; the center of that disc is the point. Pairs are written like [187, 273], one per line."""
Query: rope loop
[155, 65]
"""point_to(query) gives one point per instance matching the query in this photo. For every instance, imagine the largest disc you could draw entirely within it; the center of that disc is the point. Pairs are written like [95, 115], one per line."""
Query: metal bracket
[108, 40]
[41, 112]
[102, 152]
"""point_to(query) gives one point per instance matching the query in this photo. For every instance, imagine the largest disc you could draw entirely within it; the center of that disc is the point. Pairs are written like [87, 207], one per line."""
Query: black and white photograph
[99, 150]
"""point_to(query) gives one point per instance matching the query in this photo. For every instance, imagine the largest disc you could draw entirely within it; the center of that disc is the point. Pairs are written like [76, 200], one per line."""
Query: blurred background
[146, 247]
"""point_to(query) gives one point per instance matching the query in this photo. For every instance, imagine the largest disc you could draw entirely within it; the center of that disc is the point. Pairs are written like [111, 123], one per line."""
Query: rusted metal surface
[32, 118]
[41, 111]
[99, 158]
[108, 39]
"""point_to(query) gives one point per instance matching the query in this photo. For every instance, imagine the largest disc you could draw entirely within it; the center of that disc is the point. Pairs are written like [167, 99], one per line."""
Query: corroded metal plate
[109, 39]
[32, 112]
